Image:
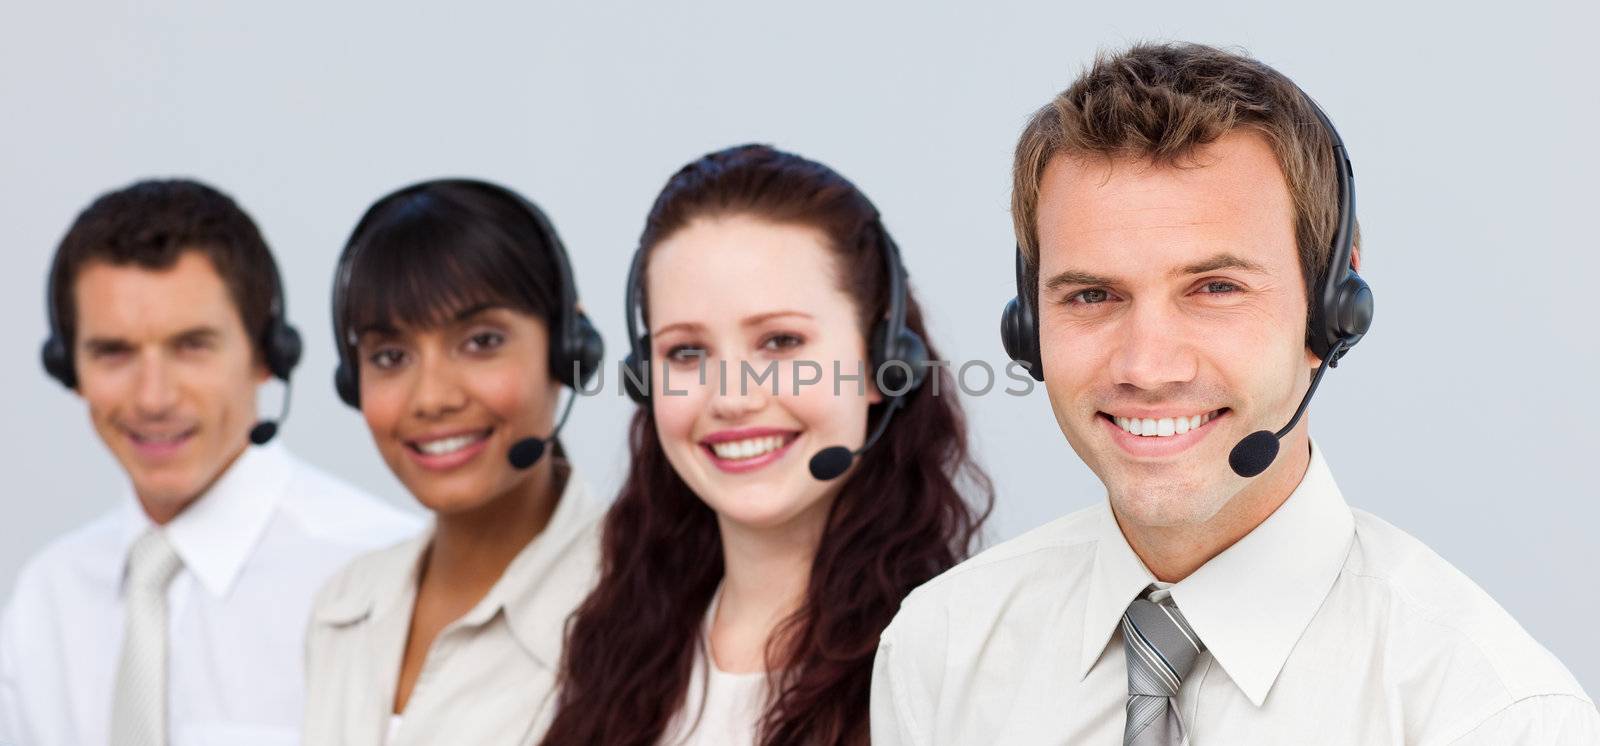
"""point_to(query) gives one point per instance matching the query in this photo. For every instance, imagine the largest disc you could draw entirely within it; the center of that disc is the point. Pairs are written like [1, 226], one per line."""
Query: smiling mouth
[746, 449]
[159, 439]
[447, 445]
[1163, 427]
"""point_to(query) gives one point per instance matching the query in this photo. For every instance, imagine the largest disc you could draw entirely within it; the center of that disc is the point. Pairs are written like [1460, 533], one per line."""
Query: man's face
[1172, 321]
[169, 374]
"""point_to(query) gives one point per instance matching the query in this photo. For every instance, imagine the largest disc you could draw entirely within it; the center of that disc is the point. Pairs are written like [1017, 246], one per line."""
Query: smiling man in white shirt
[1186, 238]
[179, 617]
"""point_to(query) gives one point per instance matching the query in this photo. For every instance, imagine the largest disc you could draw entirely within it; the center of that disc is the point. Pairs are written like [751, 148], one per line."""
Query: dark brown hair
[150, 224]
[1161, 102]
[425, 252]
[898, 520]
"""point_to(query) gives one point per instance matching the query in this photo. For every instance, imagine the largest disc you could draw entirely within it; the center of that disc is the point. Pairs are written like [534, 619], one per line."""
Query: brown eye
[385, 358]
[685, 352]
[782, 341]
[485, 341]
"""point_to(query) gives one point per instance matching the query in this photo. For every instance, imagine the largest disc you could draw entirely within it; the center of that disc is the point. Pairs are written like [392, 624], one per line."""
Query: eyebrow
[384, 329]
[1073, 278]
[1224, 260]
[104, 344]
[756, 320]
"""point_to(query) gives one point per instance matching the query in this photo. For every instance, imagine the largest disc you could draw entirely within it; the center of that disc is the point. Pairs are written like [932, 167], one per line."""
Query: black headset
[898, 355]
[1341, 303]
[576, 349]
[279, 344]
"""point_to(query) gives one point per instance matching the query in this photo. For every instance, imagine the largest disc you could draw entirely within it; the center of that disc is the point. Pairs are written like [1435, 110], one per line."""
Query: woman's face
[445, 403]
[741, 308]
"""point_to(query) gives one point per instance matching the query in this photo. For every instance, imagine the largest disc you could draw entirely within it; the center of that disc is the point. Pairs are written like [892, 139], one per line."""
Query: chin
[1167, 503]
[170, 491]
[762, 511]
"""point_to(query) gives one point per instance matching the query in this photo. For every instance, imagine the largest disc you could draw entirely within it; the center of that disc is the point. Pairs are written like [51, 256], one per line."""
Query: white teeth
[444, 446]
[738, 450]
[1150, 427]
[151, 438]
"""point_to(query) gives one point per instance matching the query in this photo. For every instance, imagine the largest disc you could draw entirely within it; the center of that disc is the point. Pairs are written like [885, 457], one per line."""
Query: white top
[722, 709]
[1324, 625]
[489, 676]
[255, 549]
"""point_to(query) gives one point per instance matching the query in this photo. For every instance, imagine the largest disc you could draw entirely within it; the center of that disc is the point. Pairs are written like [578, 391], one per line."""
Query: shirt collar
[1251, 603]
[532, 593]
[215, 535]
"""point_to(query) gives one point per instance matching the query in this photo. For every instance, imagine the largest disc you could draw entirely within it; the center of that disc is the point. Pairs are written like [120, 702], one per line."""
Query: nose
[157, 389]
[1153, 351]
[436, 391]
[740, 393]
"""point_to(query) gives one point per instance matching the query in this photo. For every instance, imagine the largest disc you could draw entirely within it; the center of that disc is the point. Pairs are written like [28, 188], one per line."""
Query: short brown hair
[1159, 103]
[150, 224]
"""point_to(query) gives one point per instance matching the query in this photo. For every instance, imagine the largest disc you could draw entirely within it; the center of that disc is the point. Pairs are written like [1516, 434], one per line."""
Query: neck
[765, 576]
[471, 549]
[1174, 552]
[163, 511]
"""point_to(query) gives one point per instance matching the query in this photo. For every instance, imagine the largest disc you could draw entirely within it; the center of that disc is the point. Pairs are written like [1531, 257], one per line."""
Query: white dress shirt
[1324, 625]
[488, 677]
[255, 549]
[720, 708]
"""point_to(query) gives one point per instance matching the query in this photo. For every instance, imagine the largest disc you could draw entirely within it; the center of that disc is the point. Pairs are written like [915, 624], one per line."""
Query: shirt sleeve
[904, 697]
[1548, 720]
[11, 728]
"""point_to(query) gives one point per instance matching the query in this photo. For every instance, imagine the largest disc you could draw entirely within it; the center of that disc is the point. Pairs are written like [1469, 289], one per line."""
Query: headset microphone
[1255, 453]
[526, 452]
[830, 462]
[266, 430]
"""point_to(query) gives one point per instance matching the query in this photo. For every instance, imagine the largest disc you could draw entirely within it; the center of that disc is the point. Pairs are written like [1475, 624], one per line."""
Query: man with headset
[178, 617]
[1186, 273]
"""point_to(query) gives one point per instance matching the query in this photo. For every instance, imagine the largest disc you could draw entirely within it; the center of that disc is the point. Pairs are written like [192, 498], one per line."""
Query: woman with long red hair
[749, 563]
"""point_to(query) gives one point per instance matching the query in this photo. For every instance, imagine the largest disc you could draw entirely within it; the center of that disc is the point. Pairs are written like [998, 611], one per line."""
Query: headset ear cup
[636, 372]
[58, 362]
[346, 384]
[586, 351]
[912, 351]
[1019, 332]
[283, 349]
[1355, 309]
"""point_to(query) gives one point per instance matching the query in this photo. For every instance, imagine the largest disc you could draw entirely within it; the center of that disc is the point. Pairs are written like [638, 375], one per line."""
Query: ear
[1355, 258]
[262, 373]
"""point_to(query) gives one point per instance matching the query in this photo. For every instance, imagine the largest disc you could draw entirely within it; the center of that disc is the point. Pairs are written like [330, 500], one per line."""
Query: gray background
[1466, 418]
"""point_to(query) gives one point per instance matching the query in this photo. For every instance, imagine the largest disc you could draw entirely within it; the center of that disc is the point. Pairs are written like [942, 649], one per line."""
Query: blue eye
[1090, 296]
[1215, 287]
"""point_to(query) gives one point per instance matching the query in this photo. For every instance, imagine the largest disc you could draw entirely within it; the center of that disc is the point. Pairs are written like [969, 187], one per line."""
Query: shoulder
[333, 510]
[1036, 566]
[1444, 617]
[80, 562]
[87, 554]
[351, 593]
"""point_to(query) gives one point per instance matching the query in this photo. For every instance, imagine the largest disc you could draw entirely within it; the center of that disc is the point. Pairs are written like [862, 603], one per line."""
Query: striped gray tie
[1161, 649]
[139, 709]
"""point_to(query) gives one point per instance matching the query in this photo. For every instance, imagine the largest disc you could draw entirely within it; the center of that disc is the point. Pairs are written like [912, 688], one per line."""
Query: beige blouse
[490, 676]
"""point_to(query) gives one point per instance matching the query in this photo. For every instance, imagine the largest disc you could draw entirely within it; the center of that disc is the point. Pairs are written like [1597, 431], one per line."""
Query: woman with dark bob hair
[749, 564]
[457, 325]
